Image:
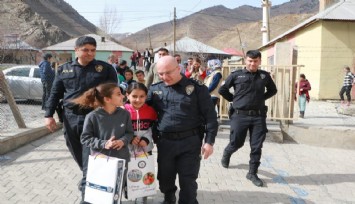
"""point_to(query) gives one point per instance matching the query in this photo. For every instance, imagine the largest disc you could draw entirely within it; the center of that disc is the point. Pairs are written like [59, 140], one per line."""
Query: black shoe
[255, 179]
[169, 198]
[226, 159]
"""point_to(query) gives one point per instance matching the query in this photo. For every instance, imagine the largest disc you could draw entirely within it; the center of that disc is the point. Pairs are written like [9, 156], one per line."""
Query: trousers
[240, 125]
[179, 157]
[73, 127]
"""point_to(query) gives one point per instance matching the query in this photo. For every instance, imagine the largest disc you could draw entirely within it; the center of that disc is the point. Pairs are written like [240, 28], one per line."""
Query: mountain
[41, 23]
[215, 23]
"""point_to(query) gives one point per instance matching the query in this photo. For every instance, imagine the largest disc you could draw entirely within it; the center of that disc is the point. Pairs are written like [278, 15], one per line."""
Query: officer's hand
[206, 150]
[50, 124]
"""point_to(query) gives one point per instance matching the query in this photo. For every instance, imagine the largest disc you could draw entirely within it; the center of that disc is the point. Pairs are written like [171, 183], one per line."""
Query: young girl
[107, 129]
[142, 117]
[196, 71]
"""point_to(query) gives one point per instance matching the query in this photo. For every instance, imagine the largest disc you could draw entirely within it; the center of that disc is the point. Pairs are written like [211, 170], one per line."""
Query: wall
[308, 45]
[338, 49]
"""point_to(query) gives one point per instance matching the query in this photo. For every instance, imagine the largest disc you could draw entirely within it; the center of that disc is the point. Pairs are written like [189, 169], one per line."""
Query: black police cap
[81, 41]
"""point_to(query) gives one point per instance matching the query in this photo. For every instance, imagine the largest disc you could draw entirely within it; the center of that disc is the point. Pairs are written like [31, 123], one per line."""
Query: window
[21, 72]
[36, 73]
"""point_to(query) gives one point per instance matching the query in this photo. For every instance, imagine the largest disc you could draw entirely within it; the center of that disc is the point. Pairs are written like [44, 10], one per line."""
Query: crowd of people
[109, 107]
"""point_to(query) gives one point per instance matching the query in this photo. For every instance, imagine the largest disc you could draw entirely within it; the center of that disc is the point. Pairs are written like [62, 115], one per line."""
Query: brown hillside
[250, 32]
[206, 25]
[42, 22]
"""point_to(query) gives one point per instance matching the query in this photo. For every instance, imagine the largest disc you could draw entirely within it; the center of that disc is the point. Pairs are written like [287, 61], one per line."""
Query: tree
[110, 20]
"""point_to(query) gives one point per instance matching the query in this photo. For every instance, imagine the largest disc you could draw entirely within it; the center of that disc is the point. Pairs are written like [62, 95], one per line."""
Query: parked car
[24, 82]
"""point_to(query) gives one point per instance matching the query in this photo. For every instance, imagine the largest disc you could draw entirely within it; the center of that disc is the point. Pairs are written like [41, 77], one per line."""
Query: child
[107, 129]
[140, 76]
[143, 116]
[128, 74]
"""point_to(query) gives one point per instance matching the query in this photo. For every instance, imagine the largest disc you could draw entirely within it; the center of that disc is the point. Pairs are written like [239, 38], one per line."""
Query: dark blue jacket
[46, 71]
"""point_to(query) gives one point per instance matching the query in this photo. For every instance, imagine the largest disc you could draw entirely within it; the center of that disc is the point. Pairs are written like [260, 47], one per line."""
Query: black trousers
[346, 90]
[73, 127]
[47, 86]
[240, 124]
[179, 157]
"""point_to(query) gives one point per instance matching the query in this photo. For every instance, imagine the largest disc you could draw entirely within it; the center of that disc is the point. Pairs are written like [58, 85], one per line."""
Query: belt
[250, 112]
[180, 135]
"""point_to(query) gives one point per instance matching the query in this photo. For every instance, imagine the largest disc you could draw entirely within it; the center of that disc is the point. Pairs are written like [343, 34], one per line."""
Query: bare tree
[110, 20]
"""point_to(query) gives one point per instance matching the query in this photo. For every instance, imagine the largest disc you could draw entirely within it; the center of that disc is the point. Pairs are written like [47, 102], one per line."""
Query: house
[64, 51]
[324, 43]
[14, 50]
[188, 47]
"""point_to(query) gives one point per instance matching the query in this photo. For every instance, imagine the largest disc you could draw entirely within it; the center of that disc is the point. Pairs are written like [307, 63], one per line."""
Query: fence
[20, 99]
[282, 105]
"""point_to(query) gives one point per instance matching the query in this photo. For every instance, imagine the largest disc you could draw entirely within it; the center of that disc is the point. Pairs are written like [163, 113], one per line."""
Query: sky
[137, 15]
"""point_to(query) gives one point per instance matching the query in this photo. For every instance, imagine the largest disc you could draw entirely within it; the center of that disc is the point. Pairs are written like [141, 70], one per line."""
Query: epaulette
[197, 82]
[236, 70]
[103, 63]
[157, 83]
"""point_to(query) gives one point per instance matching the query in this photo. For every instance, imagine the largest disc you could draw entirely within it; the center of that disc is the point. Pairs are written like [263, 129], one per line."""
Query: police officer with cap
[187, 121]
[72, 80]
[248, 111]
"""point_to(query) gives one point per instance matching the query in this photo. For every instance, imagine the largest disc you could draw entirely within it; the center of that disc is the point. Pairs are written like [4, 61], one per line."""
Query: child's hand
[117, 144]
[109, 143]
[143, 143]
[136, 140]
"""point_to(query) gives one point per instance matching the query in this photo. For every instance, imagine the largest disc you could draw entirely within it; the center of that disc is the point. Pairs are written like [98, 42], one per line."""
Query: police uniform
[249, 111]
[71, 81]
[185, 113]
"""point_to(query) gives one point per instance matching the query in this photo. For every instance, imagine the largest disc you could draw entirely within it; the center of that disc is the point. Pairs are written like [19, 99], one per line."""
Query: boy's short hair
[83, 40]
[128, 70]
[139, 72]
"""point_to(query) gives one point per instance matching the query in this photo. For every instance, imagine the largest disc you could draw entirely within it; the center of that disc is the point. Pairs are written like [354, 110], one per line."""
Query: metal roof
[107, 45]
[344, 10]
[187, 44]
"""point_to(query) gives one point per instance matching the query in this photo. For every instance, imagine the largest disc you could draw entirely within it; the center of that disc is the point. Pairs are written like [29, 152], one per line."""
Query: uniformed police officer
[185, 113]
[73, 79]
[249, 110]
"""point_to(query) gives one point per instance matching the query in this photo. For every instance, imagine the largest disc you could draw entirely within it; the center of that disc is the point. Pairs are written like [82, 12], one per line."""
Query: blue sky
[136, 15]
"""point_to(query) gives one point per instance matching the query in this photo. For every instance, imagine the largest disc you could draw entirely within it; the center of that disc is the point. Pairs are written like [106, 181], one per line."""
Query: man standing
[72, 80]
[152, 76]
[47, 76]
[347, 85]
[248, 111]
[185, 115]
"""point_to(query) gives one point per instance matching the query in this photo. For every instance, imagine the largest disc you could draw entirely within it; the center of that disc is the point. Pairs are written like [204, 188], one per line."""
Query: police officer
[185, 113]
[248, 110]
[73, 79]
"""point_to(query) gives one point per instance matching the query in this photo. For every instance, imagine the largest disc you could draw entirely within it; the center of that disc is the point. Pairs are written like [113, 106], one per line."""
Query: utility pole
[241, 46]
[265, 29]
[150, 40]
[174, 25]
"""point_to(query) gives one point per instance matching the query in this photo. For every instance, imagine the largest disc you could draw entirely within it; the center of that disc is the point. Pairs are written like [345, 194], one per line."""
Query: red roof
[233, 52]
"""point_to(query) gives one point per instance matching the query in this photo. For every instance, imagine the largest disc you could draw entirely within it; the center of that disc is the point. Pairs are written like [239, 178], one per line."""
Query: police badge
[189, 89]
[262, 76]
[99, 68]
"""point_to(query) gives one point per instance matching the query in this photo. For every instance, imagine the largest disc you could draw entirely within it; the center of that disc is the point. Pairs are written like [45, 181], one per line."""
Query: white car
[24, 82]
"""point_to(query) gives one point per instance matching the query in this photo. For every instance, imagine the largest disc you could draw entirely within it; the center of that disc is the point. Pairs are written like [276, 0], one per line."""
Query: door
[36, 88]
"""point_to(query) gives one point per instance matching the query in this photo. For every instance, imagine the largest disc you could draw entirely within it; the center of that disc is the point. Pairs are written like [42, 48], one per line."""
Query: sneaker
[255, 179]
[348, 103]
